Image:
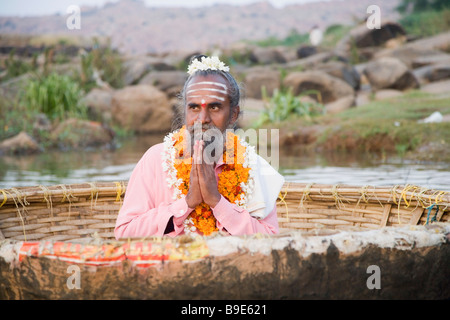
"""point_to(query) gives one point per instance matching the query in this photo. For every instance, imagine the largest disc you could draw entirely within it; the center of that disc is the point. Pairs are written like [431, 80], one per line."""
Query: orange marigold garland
[235, 180]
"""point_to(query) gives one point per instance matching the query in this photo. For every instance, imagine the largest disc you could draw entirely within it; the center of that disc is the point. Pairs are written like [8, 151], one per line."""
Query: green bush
[106, 61]
[16, 67]
[283, 105]
[57, 96]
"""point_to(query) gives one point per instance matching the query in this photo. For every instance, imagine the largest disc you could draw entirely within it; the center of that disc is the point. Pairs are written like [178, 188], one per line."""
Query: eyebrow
[214, 103]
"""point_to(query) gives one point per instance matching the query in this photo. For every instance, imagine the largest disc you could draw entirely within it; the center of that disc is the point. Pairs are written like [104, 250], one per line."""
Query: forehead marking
[209, 96]
[208, 83]
[206, 89]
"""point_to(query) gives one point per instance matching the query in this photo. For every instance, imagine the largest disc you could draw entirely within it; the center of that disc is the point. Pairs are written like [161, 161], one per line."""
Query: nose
[203, 116]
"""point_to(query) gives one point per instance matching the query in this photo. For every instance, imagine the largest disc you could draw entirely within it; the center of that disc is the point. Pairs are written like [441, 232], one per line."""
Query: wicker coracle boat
[57, 242]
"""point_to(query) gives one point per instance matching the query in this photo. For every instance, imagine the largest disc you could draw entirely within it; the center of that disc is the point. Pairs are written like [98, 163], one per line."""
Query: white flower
[207, 63]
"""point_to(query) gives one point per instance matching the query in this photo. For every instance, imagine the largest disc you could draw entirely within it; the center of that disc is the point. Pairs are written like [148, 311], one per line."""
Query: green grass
[426, 23]
[413, 105]
[388, 127]
[283, 105]
[57, 96]
[394, 121]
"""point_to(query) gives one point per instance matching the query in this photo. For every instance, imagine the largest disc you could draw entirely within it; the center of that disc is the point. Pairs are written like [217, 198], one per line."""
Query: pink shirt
[148, 208]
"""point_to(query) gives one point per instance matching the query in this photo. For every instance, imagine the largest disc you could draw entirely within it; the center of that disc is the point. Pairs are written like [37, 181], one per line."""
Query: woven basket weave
[71, 212]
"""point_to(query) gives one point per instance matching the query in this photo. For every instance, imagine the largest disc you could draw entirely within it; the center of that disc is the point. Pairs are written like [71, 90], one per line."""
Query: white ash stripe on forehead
[209, 96]
[206, 89]
[224, 86]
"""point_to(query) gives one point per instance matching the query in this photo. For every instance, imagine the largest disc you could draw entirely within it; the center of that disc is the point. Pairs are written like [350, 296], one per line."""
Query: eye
[193, 106]
[215, 106]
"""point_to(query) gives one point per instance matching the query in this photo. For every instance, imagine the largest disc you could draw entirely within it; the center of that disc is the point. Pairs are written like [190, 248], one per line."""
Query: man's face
[208, 113]
[207, 102]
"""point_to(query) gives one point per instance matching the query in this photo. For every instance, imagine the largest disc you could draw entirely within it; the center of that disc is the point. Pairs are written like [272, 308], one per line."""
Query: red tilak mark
[203, 104]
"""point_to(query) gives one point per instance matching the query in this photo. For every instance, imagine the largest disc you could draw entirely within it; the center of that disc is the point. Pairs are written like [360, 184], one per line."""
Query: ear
[235, 115]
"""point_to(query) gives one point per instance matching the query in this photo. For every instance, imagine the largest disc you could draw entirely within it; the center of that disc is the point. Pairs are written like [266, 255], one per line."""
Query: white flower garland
[168, 157]
[207, 63]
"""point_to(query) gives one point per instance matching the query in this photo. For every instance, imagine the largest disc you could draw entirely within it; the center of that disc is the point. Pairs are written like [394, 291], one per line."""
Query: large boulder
[142, 109]
[436, 58]
[363, 37]
[21, 143]
[340, 104]
[330, 88]
[433, 72]
[80, 134]
[341, 70]
[98, 102]
[437, 87]
[258, 77]
[439, 42]
[267, 55]
[171, 81]
[138, 67]
[390, 73]
[412, 57]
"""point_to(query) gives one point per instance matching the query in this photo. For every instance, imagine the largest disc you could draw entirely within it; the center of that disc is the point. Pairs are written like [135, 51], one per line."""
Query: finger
[200, 152]
[195, 155]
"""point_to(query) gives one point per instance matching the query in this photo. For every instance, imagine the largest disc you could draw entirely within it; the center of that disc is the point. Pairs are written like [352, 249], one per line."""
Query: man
[179, 188]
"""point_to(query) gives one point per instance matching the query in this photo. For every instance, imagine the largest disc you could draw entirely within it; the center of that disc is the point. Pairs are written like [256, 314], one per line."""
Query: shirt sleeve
[238, 221]
[139, 215]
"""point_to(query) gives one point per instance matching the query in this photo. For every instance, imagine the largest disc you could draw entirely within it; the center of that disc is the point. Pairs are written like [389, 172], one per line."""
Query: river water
[51, 168]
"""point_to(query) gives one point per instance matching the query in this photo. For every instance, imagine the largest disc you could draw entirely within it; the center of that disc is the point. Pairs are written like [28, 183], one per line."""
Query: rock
[288, 53]
[342, 70]
[396, 42]
[362, 98]
[41, 123]
[305, 51]
[387, 94]
[439, 42]
[20, 144]
[390, 73]
[98, 102]
[142, 108]
[266, 55]
[408, 55]
[363, 37]
[137, 67]
[330, 88]
[438, 87]
[434, 72]
[171, 82]
[79, 134]
[340, 104]
[259, 77]
[436, 58]
[312, 61]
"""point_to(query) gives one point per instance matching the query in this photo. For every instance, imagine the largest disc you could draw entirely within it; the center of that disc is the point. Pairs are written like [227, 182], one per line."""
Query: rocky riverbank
[366, 69]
